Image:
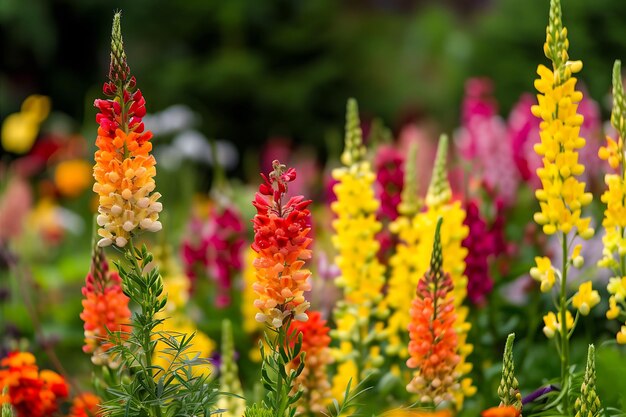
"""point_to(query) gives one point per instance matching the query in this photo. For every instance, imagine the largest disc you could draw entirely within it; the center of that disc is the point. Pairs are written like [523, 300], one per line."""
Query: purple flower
[538, 393]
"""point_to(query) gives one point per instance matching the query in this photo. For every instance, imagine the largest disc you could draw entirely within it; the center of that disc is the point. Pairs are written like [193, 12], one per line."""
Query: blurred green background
[257, 69]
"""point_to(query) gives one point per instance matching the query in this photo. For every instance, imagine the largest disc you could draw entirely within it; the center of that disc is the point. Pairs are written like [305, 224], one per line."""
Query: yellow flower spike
[586, 298]
[406, 267]
[362, 275]
[562, 195]
[614, 222]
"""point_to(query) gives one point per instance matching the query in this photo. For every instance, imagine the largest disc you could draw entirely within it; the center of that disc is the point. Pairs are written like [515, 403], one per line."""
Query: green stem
[147, 313]
[564, 331]
[283, 386]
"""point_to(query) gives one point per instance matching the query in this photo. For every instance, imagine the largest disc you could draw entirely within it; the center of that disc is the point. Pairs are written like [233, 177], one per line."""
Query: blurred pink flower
[482, 141]
[15, 204]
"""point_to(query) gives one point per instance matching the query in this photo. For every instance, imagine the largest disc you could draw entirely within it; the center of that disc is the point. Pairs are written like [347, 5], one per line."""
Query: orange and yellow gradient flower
[434, 345]
[281, 244]
[124, 169]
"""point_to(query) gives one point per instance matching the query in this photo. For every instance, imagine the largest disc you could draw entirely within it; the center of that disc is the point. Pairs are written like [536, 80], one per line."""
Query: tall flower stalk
[440, 204]
[124, 174]
[434, 346]
[105, 310]
[281, 244]
[362, 275]
[614, 253]
[406, 267]
[562, 196]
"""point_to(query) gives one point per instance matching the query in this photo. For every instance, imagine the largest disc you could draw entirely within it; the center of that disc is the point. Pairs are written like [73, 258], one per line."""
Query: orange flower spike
[105, 308]
[30, 392]
[280, 242]
[314, 377]
[124, 170]
[434, 344]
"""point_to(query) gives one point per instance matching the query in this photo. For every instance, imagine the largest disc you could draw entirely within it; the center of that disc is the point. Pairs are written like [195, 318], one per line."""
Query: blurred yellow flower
[37, 107]
[617, 287]
[73, 177]
[176, 287]
[45, 220]
[586, 298]
[19, 130]
[543, 272]
[613, 152]
[613, 311]
[179, 326]
[552, 324]
[621, 336]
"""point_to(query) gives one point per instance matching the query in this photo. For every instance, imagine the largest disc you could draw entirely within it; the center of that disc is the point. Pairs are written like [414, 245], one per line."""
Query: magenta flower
[480, 245]
[389, 167]
[213, 248]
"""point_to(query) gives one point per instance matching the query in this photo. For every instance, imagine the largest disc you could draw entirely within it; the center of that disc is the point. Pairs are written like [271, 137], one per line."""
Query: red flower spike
[280, 241]
[105, 309]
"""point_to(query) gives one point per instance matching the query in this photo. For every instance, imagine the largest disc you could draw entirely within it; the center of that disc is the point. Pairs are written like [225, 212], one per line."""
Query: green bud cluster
[588, 404]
